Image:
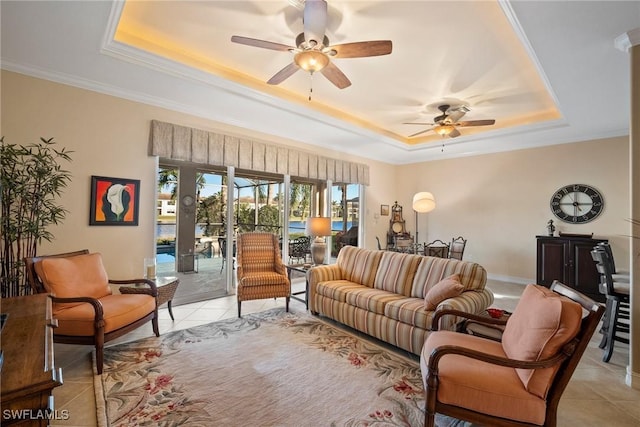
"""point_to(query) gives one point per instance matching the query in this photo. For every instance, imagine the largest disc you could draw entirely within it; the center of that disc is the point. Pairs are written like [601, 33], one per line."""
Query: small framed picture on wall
[114, 201]
[384, 210]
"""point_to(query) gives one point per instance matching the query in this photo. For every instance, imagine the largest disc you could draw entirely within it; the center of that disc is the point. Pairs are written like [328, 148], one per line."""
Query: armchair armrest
[438, 352]
[467, 316]
[95, 303]
[153, 289]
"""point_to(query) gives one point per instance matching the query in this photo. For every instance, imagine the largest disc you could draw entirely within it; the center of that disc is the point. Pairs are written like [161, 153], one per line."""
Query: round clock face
[396, 227]
[577, 203]
[188, 200]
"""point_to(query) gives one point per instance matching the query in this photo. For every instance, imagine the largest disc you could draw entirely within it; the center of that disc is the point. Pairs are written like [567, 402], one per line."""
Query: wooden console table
[28, 371]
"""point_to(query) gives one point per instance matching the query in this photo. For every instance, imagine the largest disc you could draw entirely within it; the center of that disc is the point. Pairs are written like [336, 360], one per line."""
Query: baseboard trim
[632, 379]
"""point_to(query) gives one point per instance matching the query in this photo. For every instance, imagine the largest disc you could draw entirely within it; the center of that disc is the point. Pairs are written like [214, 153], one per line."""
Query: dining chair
[457, 247]
[617, 275]
[437, 248]
[617, 312]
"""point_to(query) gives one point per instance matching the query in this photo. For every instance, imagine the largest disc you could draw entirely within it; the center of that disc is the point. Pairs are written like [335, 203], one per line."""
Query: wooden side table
[484, 330]
[166, 290]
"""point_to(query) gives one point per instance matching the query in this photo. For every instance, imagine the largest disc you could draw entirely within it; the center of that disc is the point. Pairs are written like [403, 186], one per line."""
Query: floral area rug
[268, 369]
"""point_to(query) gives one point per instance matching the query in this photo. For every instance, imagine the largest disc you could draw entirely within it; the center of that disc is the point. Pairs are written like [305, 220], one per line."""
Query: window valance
[177, 142]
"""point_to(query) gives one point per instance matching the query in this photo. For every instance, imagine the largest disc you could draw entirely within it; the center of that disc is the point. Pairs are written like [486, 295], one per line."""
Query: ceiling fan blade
[283, 74]
[363, 49]
[260, 43]
[335, 76]
[314, 20]
[454, 133]
[421, 124]
[476, 123]
[419, 133]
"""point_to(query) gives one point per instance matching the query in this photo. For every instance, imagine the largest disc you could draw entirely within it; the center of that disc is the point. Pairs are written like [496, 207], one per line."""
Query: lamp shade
[318, 226]
[444, 130]
[311, 60]
[423, 202]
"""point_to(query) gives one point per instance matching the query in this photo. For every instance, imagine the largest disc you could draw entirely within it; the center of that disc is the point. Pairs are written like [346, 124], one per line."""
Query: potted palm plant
[31, 181]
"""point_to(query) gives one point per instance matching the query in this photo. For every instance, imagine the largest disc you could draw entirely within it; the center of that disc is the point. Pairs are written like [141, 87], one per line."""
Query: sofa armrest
[321, 273]
[469, 302]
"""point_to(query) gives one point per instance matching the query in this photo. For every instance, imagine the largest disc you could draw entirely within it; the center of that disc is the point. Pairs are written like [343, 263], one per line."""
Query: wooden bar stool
[616, 316]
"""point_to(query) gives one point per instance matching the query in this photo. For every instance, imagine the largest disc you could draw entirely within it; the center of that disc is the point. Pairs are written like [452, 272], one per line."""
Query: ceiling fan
[313, 51]
[447, 123]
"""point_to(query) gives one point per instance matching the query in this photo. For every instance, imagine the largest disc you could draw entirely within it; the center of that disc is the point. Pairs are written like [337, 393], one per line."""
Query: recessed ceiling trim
[505, 5]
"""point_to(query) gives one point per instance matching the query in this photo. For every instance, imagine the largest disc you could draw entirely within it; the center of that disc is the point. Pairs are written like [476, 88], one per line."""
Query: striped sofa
[382, 293]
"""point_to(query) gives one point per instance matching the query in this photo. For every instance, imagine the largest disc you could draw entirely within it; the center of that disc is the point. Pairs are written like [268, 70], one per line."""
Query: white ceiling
[548, 72]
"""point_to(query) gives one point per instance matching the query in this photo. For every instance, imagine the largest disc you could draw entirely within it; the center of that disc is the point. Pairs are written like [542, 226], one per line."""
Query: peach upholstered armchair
[84, 306]
[261, 273]
[517, 381]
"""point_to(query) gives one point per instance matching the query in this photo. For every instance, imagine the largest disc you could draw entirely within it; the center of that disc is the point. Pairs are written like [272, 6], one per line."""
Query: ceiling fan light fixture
[311, 60]
[444, 130]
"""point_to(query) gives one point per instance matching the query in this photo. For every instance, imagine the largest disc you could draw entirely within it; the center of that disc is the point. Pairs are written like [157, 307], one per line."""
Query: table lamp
[319, 228]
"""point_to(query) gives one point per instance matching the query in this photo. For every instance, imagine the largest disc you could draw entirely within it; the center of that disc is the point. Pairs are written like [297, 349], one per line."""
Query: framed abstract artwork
[114, 201]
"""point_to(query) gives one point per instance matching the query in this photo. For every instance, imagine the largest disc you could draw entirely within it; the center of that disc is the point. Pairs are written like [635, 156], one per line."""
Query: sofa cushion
[74, 276]
[373, 300]
[480, 386]
[541, 324]
[410, 311]
[448, 287]
[338, 289]
[432, 270]
[359, 265]
[263, 278]
[396, 271]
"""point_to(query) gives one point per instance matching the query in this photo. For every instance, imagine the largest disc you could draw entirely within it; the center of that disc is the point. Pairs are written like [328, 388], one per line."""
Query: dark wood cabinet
[28, 372]
[568, 259]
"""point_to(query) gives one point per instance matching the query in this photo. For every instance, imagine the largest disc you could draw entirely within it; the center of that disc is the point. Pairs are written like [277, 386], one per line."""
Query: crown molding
[627, 40]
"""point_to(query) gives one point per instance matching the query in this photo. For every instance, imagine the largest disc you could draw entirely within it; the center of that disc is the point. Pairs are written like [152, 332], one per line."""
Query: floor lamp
[423, 202]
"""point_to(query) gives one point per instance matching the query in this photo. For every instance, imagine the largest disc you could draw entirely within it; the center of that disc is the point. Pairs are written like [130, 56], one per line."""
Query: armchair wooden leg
[288, 299]
[154, 323]
[430, 403]
[99, 338]
[239, 303]
[99, 358]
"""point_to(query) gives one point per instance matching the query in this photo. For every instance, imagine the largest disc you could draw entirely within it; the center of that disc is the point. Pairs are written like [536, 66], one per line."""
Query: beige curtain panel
[176, 142]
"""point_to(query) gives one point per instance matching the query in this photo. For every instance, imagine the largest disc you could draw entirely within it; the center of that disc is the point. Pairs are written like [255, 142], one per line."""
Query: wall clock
[577, 203]
[188, 200]
[396, 223]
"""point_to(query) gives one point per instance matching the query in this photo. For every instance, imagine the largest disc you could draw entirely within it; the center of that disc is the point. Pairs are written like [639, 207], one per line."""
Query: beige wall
[498, 201]
[109, 137]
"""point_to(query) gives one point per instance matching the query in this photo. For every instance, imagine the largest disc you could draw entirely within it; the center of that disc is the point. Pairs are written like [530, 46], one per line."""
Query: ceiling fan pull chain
[310, 85]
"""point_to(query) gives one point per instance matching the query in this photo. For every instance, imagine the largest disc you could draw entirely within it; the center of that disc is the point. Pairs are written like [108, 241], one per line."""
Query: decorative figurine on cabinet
[550, 227]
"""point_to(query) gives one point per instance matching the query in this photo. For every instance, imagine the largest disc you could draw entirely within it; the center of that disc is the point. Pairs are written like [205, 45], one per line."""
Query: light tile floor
[596, 396]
